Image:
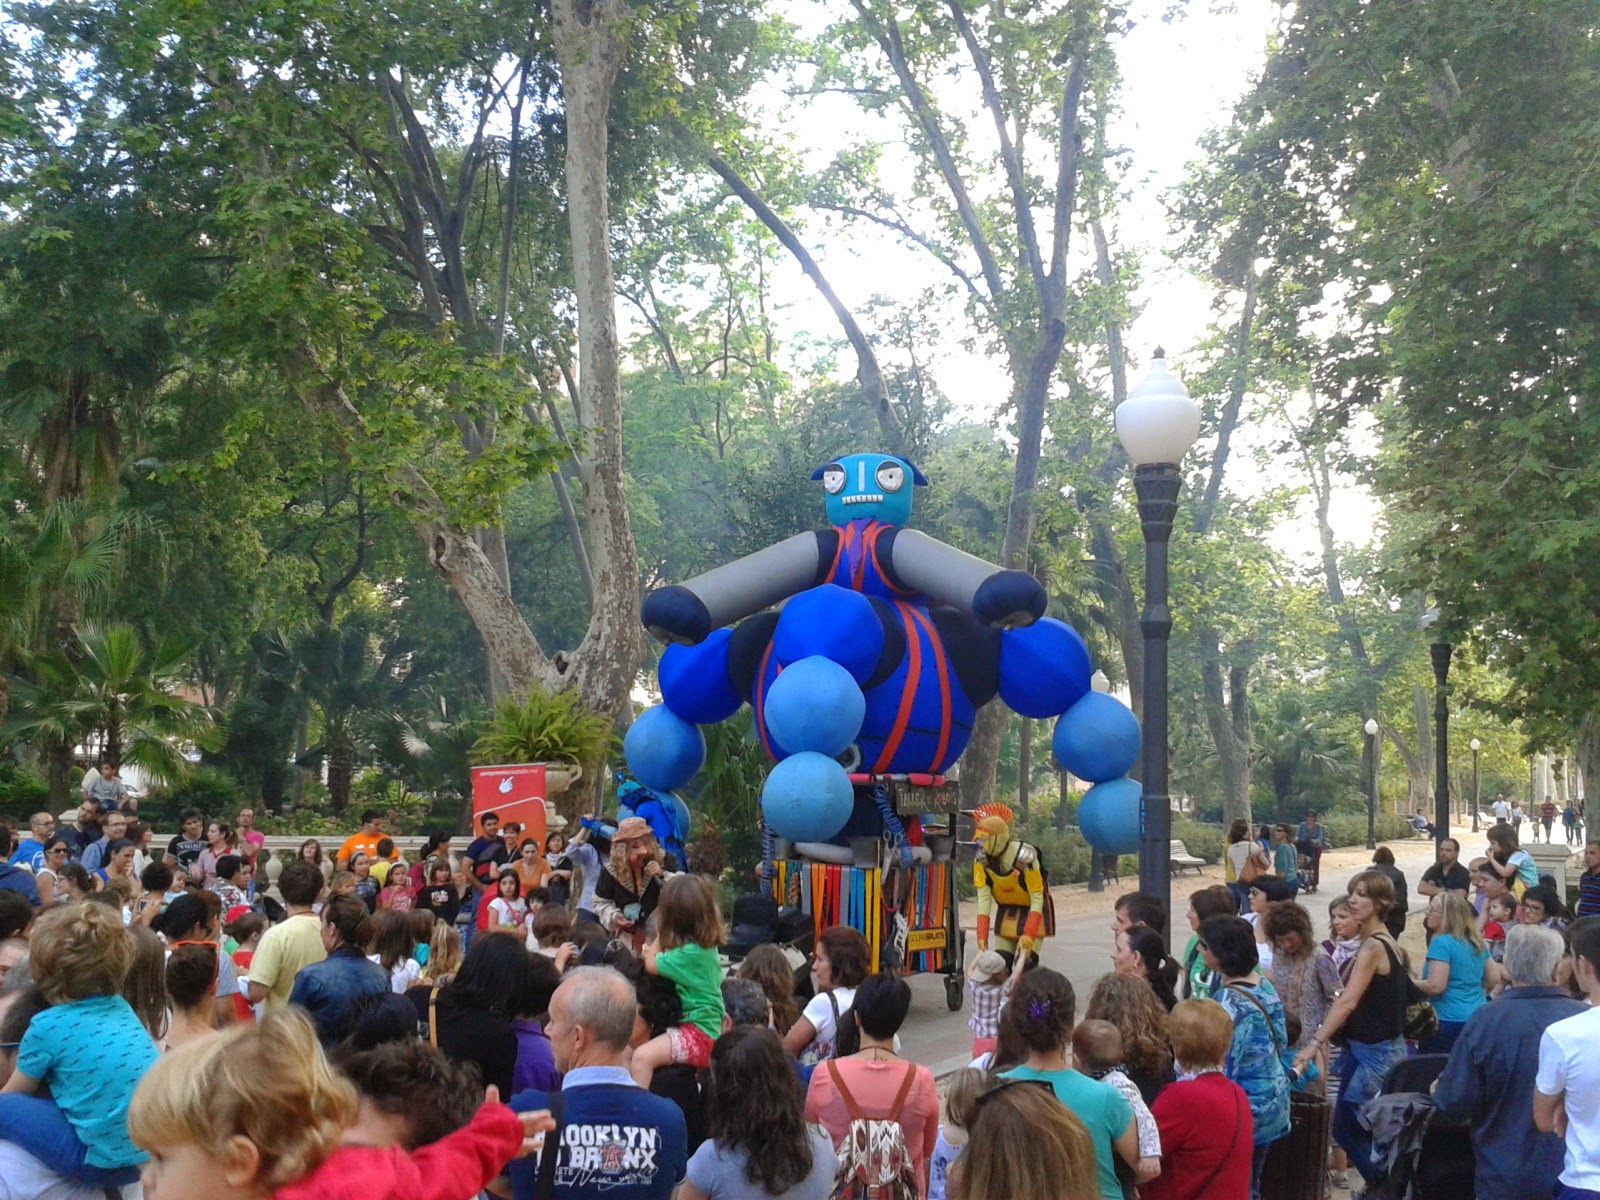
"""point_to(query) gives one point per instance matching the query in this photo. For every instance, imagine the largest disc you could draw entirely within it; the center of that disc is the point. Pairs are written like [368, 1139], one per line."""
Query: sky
[1181, 78]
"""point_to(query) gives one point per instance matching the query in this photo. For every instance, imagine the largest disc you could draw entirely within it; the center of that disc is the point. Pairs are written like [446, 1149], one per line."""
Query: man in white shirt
[1502, 810]
[1566, 1097]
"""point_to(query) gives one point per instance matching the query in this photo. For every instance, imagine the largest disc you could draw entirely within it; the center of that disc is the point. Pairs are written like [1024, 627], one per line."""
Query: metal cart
[910, 915]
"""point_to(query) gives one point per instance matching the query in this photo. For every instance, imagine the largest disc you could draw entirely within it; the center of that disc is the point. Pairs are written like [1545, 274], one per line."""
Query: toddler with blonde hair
[88, 1048]
[258, 1111]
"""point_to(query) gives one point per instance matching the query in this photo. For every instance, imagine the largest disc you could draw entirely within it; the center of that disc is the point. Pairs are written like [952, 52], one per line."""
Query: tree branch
[868, 373]
[1008, 152]
[889, 40]
[912, 235]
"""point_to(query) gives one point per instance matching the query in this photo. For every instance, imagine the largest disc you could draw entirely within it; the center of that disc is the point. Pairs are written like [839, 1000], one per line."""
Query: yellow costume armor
[1014, 904]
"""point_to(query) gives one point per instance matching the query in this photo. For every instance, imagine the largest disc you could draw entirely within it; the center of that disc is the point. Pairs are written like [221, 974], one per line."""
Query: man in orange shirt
[365, 840]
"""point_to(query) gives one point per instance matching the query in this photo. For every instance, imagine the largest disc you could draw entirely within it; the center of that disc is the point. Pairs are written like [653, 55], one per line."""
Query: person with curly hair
[760, 1144]
[767, 965]
[1130, 1005]
[1041, 1014]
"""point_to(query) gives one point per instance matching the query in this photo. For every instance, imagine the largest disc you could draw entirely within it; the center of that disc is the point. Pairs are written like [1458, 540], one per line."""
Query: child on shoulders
[685, 950]
[1097, 1052]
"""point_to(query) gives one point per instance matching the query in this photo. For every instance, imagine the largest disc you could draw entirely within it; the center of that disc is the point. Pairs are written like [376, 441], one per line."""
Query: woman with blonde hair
[1023, 1142]
[1453, 972]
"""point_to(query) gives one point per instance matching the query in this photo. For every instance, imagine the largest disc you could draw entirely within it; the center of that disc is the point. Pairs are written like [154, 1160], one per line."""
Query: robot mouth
[864, 498]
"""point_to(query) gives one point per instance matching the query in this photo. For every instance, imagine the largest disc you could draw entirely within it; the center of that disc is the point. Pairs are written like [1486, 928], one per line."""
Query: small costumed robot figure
[1014, 905]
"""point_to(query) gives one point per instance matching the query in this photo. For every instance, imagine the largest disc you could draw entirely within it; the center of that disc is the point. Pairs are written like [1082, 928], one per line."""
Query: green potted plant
[544, 727]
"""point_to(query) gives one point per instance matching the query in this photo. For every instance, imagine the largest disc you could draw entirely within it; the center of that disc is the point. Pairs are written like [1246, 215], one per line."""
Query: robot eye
[833, 479]
[891, 477]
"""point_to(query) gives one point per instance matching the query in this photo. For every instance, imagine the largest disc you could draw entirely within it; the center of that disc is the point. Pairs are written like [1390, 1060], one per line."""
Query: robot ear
[917, 477]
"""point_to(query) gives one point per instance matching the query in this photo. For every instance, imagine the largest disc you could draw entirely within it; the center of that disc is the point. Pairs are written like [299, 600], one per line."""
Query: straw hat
[632, 829]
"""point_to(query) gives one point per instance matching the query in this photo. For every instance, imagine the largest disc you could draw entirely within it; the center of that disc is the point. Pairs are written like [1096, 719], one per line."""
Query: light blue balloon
[814, 704]
[807, 798]
[663, 750]
[1097, 738]
[1108, 815]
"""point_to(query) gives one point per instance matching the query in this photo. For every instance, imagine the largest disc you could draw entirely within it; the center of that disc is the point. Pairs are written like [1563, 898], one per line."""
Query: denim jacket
[327, 989]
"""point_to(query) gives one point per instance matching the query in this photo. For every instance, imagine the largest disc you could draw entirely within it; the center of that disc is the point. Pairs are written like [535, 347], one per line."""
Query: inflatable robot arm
[949, 576]
[687, 612]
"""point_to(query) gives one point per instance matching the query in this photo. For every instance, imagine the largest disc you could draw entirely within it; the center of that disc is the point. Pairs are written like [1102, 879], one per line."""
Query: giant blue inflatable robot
[887, 643]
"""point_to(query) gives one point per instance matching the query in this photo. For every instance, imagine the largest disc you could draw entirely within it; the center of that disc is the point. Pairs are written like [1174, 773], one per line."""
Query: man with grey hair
[744, 1003]
[612, 1138]
[1490, 1076]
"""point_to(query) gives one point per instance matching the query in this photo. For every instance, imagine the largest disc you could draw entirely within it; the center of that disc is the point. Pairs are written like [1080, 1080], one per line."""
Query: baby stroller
[1428, 1157]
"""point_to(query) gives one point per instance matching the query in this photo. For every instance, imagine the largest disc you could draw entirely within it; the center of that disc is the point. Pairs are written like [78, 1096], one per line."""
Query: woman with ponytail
[1041, 1015]
[1142, 953]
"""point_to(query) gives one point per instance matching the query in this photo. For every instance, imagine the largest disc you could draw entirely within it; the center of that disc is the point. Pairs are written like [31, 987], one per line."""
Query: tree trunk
[1024, 765]
[341, 770]
[1420, 772]
[1227, 710]
[590, 37]
[58, 774]
[1586, 751]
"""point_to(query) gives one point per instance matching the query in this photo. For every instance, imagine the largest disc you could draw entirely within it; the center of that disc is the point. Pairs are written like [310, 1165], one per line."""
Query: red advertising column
[514, 792]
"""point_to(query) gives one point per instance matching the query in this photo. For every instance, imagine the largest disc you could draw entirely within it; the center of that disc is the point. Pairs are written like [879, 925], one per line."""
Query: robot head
[863, 486]
[992, 828]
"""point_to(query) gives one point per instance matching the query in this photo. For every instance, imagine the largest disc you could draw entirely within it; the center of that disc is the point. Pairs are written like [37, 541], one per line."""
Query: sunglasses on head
[1003, 1084]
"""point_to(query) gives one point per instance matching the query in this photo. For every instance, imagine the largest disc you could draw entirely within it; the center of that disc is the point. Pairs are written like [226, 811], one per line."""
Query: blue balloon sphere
[815, 705]
[1097, 738]
[1108, 814]
[1044, 668]
[663, 750]
[695, 683]
[832, 622]
[807, 798]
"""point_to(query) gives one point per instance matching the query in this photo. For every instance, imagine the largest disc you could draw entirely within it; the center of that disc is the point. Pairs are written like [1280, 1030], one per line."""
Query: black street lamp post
[1371, 730]
[1477, 798]
[1441, 652]
[1157, 423]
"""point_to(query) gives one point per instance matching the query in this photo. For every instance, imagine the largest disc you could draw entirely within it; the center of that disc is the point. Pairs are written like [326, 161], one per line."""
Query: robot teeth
[864, 498]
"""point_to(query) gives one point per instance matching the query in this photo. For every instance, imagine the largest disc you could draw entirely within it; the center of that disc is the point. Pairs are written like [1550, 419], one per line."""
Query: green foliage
[213, 791]
[726, 794]
[542, 726]
[23, 791]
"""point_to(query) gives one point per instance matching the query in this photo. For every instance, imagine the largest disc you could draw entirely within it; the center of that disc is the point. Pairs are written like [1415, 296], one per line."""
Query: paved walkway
[1081, 949]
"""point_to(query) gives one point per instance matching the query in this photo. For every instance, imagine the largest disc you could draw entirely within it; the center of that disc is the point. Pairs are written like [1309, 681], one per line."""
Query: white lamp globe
[1476, 744]
[1158, 422]
[1371, 727]
[1099, 682]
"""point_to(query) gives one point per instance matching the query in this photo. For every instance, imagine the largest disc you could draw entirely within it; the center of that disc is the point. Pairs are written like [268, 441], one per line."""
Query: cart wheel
[954, 993]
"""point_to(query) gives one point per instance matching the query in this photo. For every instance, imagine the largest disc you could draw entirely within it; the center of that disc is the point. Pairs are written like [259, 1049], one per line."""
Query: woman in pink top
[875, 1075]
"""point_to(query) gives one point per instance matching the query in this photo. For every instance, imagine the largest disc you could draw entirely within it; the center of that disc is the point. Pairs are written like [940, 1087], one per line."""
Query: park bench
[1181, 857]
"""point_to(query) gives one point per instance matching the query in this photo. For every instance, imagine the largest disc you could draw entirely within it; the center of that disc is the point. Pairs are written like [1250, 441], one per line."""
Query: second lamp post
[1157, 424]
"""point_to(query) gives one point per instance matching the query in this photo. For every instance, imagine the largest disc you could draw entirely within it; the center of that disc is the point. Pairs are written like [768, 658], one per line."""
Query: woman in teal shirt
[1453, 974]
[1040, 1016]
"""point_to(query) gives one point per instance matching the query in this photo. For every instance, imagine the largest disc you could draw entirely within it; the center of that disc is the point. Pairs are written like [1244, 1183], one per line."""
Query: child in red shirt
[257, 1112]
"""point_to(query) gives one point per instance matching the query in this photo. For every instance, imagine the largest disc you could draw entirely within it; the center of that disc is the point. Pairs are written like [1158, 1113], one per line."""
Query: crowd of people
[177, 1026]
